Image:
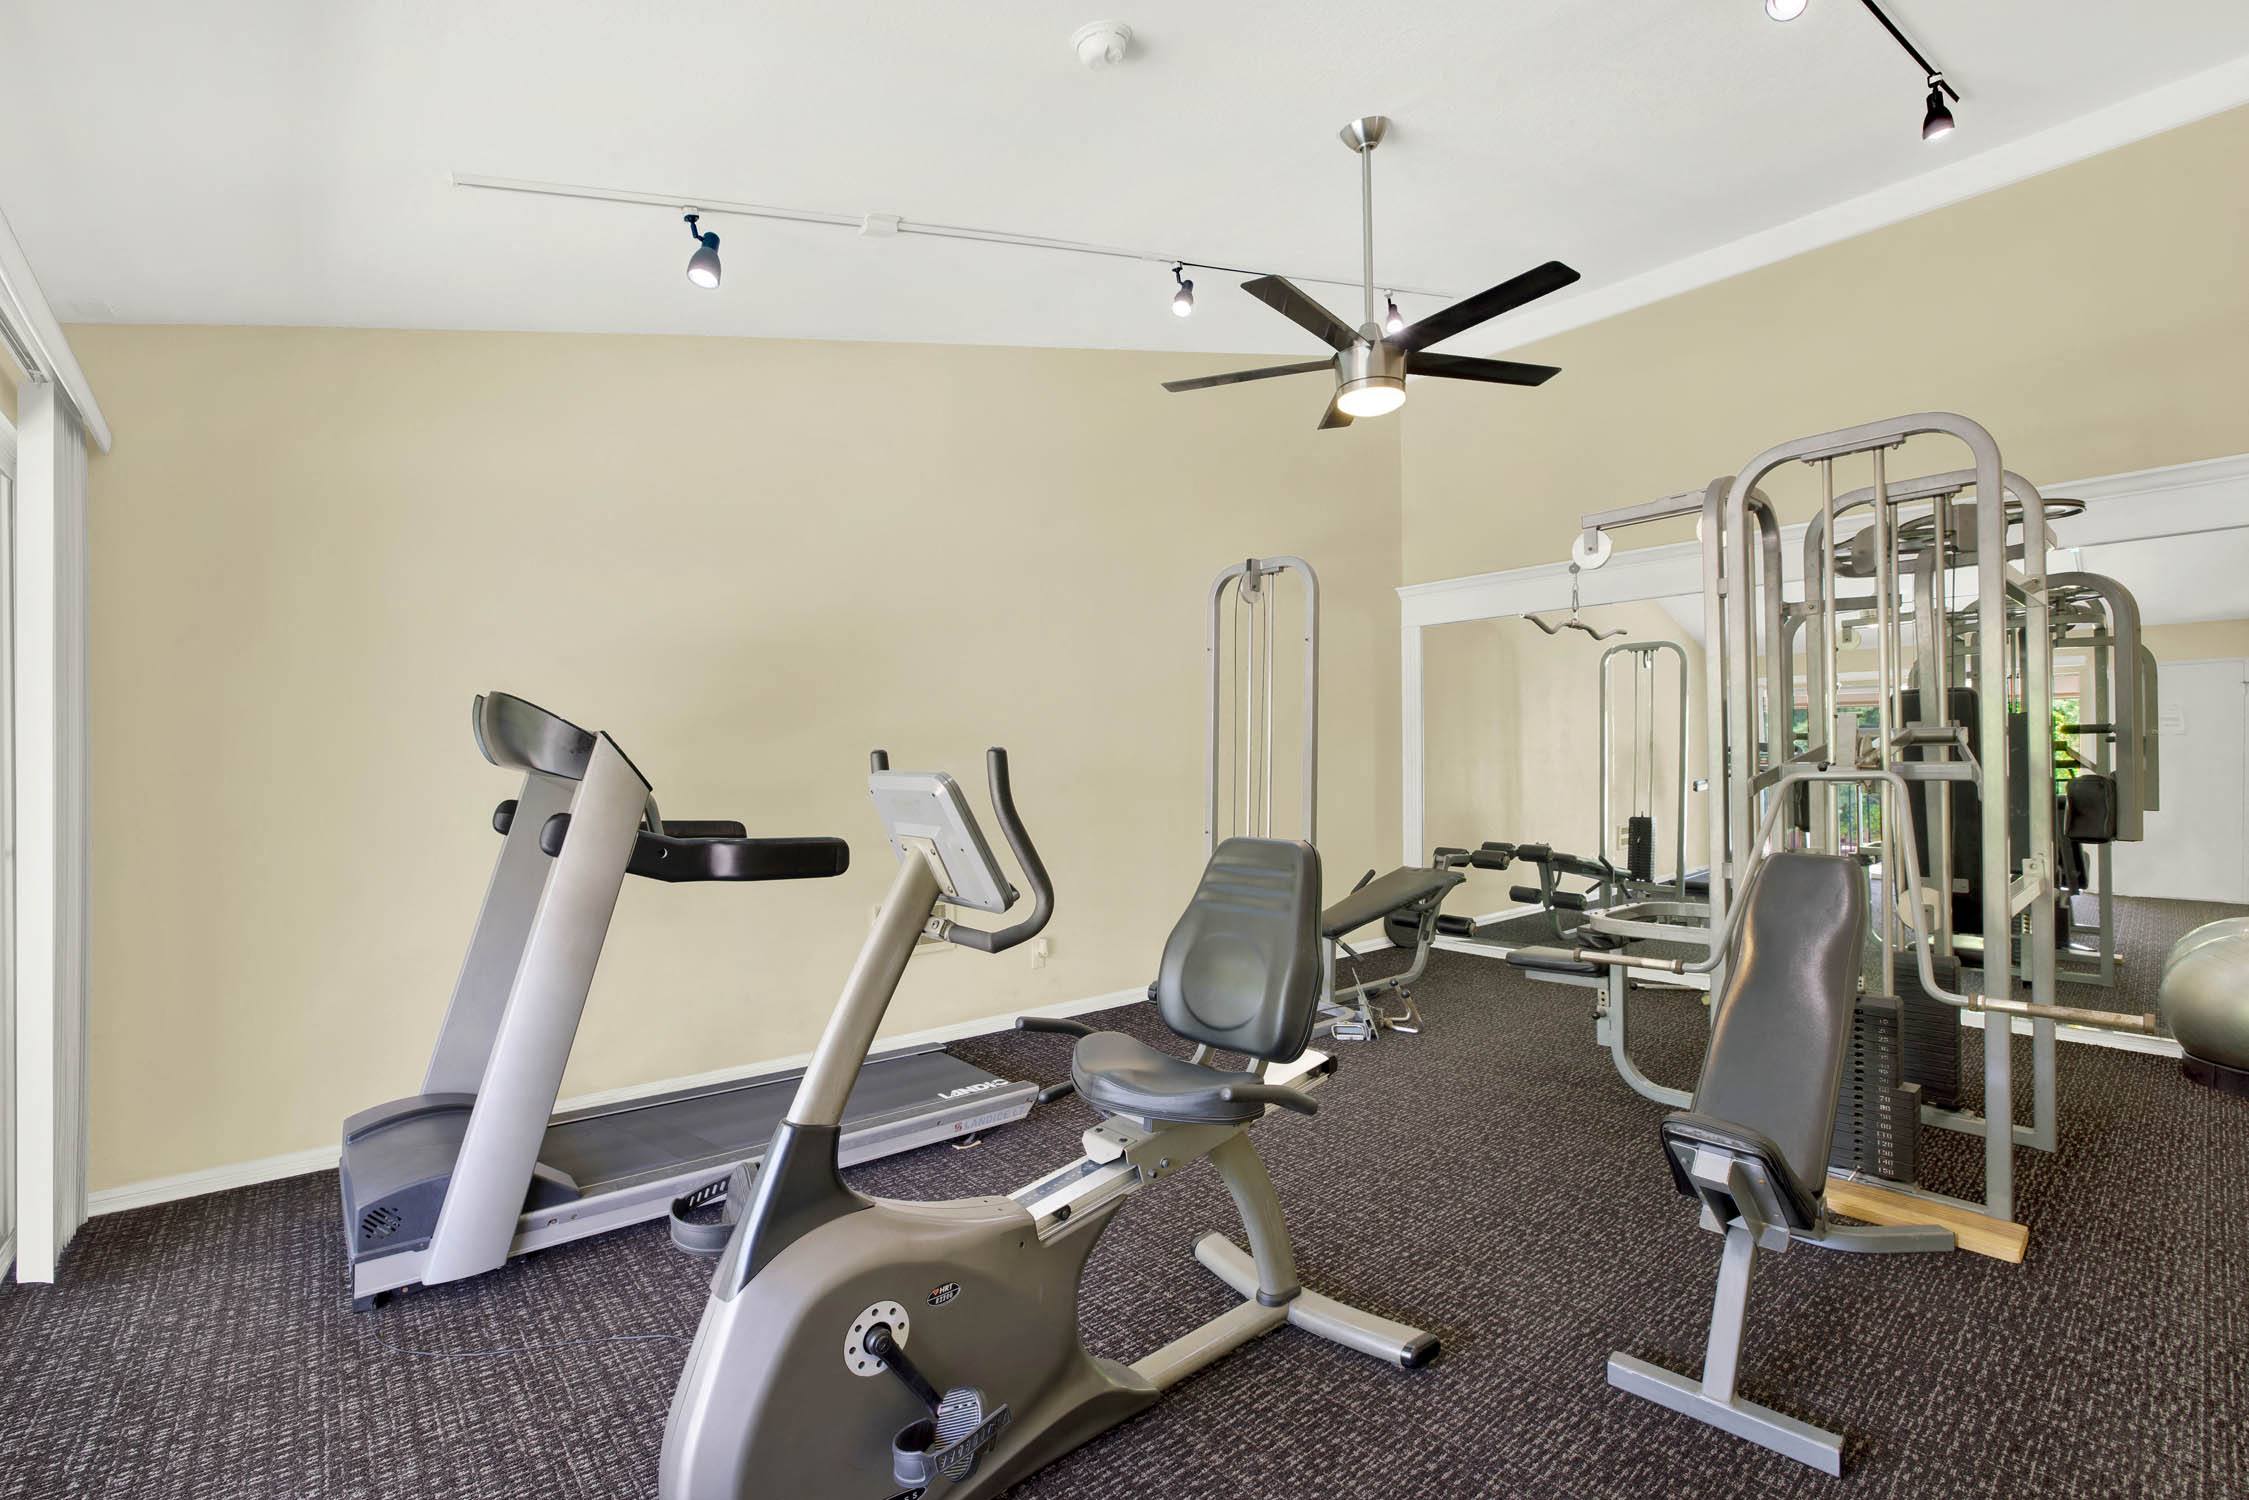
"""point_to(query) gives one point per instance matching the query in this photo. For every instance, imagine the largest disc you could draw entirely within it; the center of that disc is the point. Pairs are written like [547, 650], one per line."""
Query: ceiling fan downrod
[1362, 136]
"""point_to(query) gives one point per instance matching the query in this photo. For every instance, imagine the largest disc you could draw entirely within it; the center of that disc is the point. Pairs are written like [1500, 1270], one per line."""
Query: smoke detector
[1102, 44]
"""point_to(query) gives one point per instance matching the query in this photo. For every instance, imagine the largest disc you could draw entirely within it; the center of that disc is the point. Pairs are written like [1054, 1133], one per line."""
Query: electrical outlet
[1041, 951]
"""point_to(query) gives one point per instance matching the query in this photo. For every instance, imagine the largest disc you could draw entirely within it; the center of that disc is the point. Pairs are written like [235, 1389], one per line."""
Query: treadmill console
[926, 817]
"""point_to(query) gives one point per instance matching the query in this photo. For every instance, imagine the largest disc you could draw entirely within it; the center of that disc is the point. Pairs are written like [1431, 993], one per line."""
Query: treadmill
[452, 1181]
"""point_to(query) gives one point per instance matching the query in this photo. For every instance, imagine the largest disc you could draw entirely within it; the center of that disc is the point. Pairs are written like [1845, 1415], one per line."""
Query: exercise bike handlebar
[1026, 855]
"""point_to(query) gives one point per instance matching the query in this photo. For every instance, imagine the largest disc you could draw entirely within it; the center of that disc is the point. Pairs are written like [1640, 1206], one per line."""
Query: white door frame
[51, 825]
[2208, 495]
[56, 420]
[7, 848]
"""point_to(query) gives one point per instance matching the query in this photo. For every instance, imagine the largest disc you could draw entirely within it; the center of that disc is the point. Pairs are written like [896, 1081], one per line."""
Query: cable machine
[1245, 709]
[1631, 843]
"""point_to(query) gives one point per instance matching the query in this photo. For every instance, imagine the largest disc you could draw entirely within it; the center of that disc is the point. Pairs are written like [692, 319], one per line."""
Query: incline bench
[1405, 900]
[1754, 1146]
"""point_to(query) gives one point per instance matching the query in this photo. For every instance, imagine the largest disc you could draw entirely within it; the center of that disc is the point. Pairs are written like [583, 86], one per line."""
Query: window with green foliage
[1858, 806]
[2065, 744]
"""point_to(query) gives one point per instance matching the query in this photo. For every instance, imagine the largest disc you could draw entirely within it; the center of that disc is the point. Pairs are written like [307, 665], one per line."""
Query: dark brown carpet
[1490, 1179]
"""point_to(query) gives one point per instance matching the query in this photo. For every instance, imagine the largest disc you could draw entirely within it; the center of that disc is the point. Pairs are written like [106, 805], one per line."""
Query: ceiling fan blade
[1497, 371]
[1336, 416]
[1281, 294]
[1485, 305]
[1236, 377]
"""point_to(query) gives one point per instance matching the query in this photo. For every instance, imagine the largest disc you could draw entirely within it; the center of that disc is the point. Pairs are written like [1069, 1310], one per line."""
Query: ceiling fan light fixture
[1393, 321]
[1374, 396]
[1183, 300]
[1785, 10]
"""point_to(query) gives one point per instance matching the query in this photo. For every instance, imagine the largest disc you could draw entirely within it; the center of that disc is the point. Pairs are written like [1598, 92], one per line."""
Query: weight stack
[1930, 1030]
[1640, 847]
[1878, 1114]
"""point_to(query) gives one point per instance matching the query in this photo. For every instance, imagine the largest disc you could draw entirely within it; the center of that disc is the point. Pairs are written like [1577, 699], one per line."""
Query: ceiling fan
[1370, 365]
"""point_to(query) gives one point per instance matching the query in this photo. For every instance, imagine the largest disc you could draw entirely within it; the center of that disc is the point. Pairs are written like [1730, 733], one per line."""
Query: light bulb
[1395, 322]
[702, 266]
[1937, 122]
[1183, 300]
[1372, 398]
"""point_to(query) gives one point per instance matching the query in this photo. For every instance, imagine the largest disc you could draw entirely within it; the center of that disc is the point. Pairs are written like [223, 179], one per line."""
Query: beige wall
[1514, 746]
[753, 560]
[2095, 319]
[750, 561]
[2205, 640]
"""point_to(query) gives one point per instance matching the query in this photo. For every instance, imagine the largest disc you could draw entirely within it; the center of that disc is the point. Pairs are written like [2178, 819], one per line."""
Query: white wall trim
[2159, 109]
[28, 330]
[239, 1174]
[155, 1190]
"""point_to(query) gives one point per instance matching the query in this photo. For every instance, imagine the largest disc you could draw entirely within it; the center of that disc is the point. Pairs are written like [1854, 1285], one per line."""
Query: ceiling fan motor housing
[1369, 362]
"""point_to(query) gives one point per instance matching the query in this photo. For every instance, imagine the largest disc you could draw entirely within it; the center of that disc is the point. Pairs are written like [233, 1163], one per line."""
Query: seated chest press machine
[472, 1170]
[1753, 1145]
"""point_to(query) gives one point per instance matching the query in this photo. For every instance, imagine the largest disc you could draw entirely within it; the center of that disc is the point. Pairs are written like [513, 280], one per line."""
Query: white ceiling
[285, 162]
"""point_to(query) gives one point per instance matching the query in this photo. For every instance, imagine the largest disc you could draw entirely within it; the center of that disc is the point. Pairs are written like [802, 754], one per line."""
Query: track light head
[1936, 122]
[1393, 321]
[1785, 10]
[1183, 300]
[702, 266]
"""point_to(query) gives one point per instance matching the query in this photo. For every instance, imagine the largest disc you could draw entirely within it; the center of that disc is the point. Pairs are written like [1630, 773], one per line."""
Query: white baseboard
[323, 1158]
[211, 1180]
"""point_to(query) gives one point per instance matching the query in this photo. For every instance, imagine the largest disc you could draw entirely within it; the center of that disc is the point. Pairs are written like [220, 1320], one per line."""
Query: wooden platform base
[1977, 1233]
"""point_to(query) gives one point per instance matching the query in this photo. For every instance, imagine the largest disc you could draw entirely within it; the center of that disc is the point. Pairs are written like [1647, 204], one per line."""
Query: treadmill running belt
[715, 1127]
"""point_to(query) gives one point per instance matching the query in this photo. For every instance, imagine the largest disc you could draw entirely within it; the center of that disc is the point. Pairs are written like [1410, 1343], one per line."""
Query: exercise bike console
[926, 817]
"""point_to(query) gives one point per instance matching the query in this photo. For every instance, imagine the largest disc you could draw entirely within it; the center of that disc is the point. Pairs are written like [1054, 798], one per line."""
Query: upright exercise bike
[866, 1349]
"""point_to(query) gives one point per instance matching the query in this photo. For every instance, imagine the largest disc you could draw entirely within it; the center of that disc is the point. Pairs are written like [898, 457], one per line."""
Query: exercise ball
[2205, 1002]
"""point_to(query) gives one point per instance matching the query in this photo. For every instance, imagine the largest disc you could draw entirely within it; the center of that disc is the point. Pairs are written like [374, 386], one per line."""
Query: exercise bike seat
[1240, 973]
[1122, 1075]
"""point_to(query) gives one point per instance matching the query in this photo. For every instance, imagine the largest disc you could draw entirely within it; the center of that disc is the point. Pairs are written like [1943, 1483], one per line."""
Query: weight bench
[1409, 896]
[1753, 1148]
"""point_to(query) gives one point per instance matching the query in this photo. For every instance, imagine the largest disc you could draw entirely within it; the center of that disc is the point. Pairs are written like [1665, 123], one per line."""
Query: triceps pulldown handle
[1026, 855]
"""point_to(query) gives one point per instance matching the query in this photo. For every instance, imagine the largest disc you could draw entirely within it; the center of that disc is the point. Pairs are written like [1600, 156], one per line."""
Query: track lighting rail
[711, 206]
[1934, 74]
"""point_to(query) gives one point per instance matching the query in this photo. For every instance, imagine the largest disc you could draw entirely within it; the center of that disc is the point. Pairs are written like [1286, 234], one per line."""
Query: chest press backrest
[1771, 1077]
